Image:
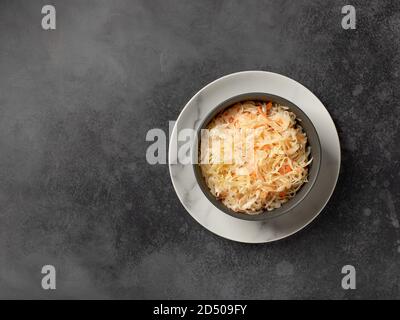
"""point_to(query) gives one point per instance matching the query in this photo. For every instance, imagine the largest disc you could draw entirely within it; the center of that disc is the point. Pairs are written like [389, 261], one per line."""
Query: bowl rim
[265, 214]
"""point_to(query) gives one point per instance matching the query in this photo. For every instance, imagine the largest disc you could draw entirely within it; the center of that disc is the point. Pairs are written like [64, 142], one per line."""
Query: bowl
[313, 142]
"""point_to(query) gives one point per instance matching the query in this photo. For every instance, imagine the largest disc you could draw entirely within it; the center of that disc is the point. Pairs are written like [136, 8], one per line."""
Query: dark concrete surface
[76, 190]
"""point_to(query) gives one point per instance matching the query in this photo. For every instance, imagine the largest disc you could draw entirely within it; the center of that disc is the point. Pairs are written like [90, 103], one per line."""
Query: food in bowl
[268, 176]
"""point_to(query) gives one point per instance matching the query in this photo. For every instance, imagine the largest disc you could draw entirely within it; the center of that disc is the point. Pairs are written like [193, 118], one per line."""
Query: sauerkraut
[274, 169]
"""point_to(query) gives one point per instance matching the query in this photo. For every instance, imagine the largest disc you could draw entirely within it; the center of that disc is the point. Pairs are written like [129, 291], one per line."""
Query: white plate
[196, 203]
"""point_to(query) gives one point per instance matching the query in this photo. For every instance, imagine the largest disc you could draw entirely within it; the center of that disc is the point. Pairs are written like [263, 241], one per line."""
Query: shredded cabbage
[274, 172]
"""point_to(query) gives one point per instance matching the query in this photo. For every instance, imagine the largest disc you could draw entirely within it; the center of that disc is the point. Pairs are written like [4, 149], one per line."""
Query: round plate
[184, 180]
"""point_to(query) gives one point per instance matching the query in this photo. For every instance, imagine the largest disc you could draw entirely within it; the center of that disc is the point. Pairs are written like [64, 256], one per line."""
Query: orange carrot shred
[285, 169]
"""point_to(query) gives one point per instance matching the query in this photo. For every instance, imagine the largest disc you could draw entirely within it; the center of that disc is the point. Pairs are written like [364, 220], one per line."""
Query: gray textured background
[75, 106]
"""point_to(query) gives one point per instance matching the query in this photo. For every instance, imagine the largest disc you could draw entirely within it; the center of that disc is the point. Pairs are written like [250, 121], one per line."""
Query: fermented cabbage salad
[277, 168]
